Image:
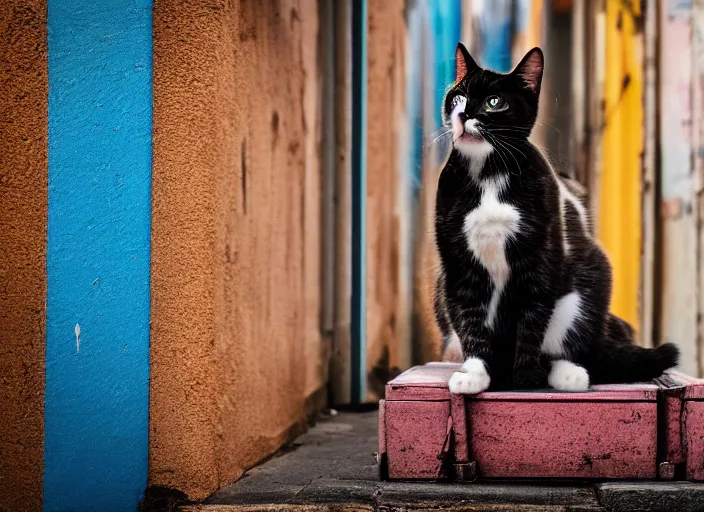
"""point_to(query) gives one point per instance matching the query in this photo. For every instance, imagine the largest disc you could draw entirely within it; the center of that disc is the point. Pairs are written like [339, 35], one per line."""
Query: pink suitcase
[608, 432]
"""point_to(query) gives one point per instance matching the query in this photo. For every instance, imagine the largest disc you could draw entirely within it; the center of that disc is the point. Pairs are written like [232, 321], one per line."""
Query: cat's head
[486, 109]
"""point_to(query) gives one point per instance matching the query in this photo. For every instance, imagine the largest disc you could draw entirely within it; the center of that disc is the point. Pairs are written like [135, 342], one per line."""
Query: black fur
[542, 267]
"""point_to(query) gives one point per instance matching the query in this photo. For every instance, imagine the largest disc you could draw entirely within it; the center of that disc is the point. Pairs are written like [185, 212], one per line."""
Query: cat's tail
[618, 360]
[631, 363]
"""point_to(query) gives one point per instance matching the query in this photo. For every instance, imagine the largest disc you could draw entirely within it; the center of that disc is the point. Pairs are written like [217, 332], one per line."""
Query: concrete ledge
[398, 494]
[651, 496]
[277, 508]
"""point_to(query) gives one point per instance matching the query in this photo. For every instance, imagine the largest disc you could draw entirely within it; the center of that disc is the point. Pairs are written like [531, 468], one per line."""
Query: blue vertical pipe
[446, 19]
[447, 28]
[98, 248]
[414, 99]
[496, 33]
[359, 199]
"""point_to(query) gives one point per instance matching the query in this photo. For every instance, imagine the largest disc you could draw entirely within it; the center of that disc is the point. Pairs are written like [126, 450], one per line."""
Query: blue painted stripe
[97, 380]
[359, 201]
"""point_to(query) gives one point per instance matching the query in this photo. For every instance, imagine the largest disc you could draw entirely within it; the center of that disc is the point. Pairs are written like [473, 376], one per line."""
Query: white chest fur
[486, 229]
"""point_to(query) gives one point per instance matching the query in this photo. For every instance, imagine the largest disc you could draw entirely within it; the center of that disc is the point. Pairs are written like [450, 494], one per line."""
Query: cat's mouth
[471, 141]
[468, 132]
[471, 137]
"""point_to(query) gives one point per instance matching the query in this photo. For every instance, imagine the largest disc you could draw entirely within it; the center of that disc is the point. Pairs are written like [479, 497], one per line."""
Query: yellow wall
[619, 226]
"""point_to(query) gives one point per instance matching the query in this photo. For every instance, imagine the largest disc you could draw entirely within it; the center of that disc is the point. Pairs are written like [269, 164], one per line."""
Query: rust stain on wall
[237, 358]
[23, 216]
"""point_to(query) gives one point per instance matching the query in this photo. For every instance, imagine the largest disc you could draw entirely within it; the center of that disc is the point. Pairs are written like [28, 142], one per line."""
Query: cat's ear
[464, 63]
[530, 70]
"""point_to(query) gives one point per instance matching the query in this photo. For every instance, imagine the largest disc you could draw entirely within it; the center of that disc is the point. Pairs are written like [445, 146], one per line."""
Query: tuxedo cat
[523, 286]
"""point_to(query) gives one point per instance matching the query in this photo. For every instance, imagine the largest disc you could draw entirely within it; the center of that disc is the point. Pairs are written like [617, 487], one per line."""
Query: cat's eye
[495, 104]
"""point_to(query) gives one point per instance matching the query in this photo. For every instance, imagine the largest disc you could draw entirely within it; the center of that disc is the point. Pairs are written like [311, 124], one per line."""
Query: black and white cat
[522, 285]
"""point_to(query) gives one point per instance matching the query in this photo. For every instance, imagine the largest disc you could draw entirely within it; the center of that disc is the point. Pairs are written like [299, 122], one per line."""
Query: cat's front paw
[567, 376]
[471, 379]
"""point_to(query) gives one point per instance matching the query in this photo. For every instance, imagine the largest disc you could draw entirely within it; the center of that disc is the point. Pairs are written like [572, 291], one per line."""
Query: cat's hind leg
[561, 343]
[578, 321]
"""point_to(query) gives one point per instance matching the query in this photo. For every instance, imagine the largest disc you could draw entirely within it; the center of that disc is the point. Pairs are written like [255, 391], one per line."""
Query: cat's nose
[463, 117]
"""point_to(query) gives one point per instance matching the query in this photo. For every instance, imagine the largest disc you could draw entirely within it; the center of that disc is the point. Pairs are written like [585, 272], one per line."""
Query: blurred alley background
[216, 216]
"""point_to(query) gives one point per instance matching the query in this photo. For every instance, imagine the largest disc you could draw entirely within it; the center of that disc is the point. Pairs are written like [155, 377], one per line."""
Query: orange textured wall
[23, 216]
[386, 306]
[237, 358]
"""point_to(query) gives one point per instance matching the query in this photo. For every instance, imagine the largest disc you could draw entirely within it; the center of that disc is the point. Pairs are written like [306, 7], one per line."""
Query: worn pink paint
[571, 439]
[416, 438]
[429, 382]
[672, 427]
[694, 428]
[381, 454]
[602, 393]
[694, 387]
[460, 427]
[672, 391]
[682, 426]
[606, 432]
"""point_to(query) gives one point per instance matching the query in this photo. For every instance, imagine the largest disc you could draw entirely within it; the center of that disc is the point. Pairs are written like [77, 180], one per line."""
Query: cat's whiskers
[511, 129]
[446, 133]
[542, 123]
[512, 146]
[500, 150]
[506, 148]
[514, 131]
[517, 139]
[519, 170]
